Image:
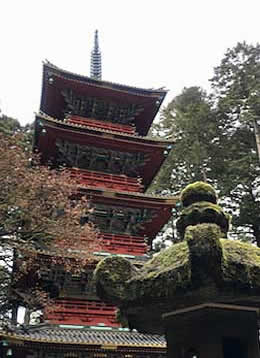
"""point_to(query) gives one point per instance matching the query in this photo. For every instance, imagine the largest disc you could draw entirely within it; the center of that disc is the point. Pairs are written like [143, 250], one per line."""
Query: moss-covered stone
[165, 274]
[198, 191]
[203, 212]
[111, 275]
[241, 266]
[205, 267]
[205, 251]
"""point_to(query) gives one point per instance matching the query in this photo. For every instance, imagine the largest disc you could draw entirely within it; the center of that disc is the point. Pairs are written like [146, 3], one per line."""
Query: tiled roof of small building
[85, 336]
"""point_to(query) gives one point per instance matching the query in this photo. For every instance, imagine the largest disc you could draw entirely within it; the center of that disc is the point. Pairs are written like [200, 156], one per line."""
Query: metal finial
[96, 65]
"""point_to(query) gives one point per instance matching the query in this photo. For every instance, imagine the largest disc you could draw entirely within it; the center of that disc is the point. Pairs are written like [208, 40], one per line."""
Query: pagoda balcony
[102, 180]
[81, 312]
[124, 244]
[109, 126]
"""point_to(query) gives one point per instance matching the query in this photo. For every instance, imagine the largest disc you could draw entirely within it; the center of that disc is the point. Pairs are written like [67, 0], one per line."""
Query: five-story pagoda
[97, 130]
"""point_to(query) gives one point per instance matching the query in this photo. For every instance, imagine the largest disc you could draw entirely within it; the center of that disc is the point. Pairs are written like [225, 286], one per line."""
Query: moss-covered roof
[198, 191]
[203, 212]
[205, 267]
[191, 272]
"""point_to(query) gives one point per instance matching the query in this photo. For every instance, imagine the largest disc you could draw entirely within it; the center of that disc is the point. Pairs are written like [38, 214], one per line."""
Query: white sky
[144, 43]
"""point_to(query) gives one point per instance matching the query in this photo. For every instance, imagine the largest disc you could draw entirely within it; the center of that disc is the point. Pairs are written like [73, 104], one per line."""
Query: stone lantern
[203, 293]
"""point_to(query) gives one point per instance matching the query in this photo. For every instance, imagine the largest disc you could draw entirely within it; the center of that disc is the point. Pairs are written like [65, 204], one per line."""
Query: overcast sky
[144, 43]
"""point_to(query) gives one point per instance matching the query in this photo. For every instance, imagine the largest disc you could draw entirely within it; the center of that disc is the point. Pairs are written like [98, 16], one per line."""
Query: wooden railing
[91, 122]
[110, 181]
[124, 244]
[82, 312]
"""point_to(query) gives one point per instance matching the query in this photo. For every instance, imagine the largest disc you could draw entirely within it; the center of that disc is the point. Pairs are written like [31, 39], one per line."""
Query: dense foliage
[216, 138]
[236, 85]
[189, 122]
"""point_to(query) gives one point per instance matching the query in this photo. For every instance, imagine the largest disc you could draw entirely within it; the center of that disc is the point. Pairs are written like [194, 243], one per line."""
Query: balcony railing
[82, 312]
[110, 181]
[124, 244]
[90, 122]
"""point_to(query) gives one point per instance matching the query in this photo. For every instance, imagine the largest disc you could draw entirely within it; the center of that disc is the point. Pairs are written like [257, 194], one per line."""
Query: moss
[203, 212]
[241, 267]
[198, 191]
[118, 281]
[194, 264]
[205, 251]
[111, 275]
[176, 255]
[192, 269]
[163, 275]
[242, 252]
[202, 232]
[203, 268]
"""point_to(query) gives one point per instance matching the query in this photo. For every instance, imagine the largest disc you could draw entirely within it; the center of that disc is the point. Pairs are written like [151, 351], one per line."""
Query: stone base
[212, 331]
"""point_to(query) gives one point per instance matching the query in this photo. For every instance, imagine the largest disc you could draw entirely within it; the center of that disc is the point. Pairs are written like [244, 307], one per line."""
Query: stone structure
[204, 292]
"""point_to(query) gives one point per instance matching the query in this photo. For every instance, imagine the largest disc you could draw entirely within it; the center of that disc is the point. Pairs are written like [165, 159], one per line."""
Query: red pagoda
[97, 130]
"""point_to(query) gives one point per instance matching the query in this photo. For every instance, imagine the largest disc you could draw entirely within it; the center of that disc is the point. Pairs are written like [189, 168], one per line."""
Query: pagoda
[97, 130]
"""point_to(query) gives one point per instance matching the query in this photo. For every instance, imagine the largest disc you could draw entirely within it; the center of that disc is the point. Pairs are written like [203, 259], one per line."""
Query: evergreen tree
[236, 85]
[9, 125]
[217, 138]
[189, 122]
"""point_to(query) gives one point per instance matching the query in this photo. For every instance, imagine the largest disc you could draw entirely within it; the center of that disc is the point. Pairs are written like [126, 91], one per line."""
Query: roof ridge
[98, 82]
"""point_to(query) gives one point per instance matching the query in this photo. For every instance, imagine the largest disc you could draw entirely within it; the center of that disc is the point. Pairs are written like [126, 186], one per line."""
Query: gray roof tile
[86, 336]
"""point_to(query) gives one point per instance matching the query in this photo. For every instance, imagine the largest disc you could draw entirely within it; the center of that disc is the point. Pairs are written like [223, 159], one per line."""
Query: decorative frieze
[92, 107]
[99, 159]
[66, 282]
[120, 219]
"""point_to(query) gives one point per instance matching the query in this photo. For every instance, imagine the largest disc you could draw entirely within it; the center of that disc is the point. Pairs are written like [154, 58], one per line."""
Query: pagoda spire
[95, 66]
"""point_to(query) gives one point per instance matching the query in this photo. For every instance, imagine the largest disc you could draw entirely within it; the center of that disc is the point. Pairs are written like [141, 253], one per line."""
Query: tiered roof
[156, 149]
[143, 104]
